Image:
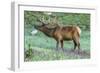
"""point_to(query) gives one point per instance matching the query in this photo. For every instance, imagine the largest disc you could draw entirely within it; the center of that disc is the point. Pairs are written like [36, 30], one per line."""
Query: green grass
[44, 48]
[43, 54]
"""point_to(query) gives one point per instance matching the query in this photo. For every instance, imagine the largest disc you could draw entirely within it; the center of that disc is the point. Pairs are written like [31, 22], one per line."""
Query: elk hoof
[79, 51]
[73, 50]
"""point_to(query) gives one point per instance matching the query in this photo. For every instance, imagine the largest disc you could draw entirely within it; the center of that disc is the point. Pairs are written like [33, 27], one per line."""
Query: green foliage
[28, 52]
[80, 19]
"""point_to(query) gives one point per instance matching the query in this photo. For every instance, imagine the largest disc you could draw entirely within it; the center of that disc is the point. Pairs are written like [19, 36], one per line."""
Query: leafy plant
[29, 52]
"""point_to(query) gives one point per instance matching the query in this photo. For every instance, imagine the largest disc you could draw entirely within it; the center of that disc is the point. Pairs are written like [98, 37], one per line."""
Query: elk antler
[54, 21]
[42, 20]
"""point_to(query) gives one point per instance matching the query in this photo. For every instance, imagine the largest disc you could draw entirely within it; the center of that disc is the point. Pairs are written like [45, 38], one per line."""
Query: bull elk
[67, 33]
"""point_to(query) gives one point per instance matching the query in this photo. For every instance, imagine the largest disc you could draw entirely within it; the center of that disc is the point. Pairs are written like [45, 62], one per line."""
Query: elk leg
[62, 45]
[57, 45]
[75, 44]
[78, 46]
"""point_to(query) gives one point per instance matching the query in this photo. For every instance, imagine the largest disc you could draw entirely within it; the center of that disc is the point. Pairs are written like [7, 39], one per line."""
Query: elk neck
[49, 31]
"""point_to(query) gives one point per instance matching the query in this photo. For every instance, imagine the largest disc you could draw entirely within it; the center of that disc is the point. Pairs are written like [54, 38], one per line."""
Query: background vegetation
[40, 47]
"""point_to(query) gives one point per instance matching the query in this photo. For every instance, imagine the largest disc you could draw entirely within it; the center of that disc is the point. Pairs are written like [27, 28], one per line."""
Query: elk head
[39, 27]
[43, 23]
[46, 28]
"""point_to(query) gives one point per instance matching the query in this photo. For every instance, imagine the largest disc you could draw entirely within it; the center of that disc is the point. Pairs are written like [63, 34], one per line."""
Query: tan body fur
[60, 34]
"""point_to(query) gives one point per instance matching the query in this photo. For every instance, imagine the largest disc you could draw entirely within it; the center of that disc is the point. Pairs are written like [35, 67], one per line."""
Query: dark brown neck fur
[49, 31]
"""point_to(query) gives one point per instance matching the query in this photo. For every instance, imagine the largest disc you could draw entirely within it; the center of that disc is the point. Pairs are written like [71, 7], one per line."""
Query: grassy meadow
[40, 47]
[44, 48]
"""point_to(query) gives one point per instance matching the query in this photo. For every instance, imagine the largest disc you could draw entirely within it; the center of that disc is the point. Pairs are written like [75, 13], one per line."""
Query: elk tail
[79, 30]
